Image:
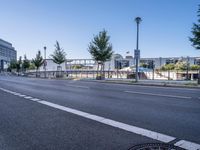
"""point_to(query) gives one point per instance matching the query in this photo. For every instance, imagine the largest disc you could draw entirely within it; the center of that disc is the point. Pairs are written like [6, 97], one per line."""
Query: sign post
[137, 57]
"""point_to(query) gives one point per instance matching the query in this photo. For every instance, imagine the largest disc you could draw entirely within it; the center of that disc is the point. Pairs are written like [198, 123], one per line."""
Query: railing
[158, 75]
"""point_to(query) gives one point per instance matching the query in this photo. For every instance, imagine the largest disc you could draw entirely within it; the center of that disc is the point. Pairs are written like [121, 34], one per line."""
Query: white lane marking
[187, 145]
[21, 95]
[70, 110]
[35, 99]
[77, 86]
[28, 97]
[17, 94]
[137, 130]
[154, 94]
[120, 125]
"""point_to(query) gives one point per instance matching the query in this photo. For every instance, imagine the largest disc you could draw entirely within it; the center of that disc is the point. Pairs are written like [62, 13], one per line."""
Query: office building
[7, 54]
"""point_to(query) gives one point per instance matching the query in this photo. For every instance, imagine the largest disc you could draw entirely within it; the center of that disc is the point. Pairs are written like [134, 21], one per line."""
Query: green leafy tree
[194, 67]
[59, 56]
[181, 65]
[101, 49]
[32, 66]
[196, 36]
[19, 64]
[12, 65]
[144, 65]
[167, 67]
[37, 61]
[26, 63]
[196, 32]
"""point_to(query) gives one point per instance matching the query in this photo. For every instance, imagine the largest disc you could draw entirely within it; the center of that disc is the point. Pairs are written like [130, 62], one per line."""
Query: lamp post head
[45, 47]
[138, 20]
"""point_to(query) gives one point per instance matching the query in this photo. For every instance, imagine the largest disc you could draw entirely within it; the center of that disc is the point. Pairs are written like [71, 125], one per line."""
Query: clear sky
[32, 24]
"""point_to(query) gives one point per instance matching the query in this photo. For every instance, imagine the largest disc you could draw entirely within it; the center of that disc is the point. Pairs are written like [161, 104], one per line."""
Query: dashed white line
[35, 99]
[137, 130]
[28, 97]
[14, 93]
[161, 95]
[21, 95]
[187, 145]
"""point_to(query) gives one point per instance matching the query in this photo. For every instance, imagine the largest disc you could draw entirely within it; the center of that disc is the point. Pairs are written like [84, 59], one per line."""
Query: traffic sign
[137, 53]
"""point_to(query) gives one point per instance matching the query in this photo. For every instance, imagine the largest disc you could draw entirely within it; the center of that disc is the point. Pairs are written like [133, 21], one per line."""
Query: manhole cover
[155, 146]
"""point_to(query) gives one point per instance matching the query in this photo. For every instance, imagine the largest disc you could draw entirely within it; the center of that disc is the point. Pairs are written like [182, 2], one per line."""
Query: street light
[45, 63]
[137, 51]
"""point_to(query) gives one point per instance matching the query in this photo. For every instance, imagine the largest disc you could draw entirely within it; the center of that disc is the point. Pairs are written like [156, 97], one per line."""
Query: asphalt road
[26, 124]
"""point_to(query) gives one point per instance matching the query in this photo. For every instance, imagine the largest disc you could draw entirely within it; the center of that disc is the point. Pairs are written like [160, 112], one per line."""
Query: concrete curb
[143, 84]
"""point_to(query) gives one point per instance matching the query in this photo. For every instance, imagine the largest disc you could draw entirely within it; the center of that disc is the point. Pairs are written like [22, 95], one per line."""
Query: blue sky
[32, 24]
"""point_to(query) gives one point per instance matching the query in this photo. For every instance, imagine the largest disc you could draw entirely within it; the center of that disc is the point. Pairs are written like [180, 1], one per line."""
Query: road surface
[57, 114]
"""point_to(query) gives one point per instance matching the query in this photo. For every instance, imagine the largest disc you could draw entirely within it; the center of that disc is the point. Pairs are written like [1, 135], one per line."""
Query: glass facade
[7, 54]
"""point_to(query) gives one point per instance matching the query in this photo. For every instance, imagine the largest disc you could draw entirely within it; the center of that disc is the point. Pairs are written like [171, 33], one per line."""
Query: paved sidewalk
[167, 83]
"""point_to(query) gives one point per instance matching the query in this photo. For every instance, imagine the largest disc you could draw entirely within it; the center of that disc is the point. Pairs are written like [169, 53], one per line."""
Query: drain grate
[155, 146]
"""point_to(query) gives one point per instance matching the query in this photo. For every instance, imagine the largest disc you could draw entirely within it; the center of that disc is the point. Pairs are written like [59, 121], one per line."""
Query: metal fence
[117, 74]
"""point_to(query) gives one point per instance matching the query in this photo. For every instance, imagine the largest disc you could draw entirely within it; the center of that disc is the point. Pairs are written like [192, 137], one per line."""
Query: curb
[143, 84]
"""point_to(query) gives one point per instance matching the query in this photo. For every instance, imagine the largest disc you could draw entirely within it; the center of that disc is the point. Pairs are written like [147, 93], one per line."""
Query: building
[116, 62]
[119, 62]
[7, 54]
[51, 66]
[160, 61]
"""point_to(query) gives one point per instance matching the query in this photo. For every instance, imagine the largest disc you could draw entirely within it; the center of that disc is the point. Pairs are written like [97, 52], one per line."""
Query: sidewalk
[163, 83]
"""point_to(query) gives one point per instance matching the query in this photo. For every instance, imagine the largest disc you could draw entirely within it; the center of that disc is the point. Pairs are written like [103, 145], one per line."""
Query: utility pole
[137, 51]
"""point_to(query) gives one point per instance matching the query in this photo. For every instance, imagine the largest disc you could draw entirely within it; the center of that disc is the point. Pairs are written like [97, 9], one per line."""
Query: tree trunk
[168, 74]
[103, 71]
[36, 74]
[101, 74]
[97, 70]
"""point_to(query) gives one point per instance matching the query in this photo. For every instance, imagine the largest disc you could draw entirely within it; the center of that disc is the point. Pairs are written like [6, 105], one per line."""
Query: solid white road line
[162, 95]
[120, 125]
[137, 130]
[187, 145]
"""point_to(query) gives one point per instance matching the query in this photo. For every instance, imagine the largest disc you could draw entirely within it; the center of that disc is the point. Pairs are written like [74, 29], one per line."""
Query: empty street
[67, 114]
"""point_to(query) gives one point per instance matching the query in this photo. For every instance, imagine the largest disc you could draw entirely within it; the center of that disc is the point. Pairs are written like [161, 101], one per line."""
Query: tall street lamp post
[137, 51]
[45, 63]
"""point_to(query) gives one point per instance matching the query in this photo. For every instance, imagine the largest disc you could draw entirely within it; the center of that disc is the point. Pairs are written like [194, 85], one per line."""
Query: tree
[59, 56]
[194, 67]
[32, 66]
[37, 61]
[181, 65]
[26, 63]
[101, 50]
[168, 67]
[196, 33]
[144, 65]
[19, 64]
[12, 65]
[196, 37]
